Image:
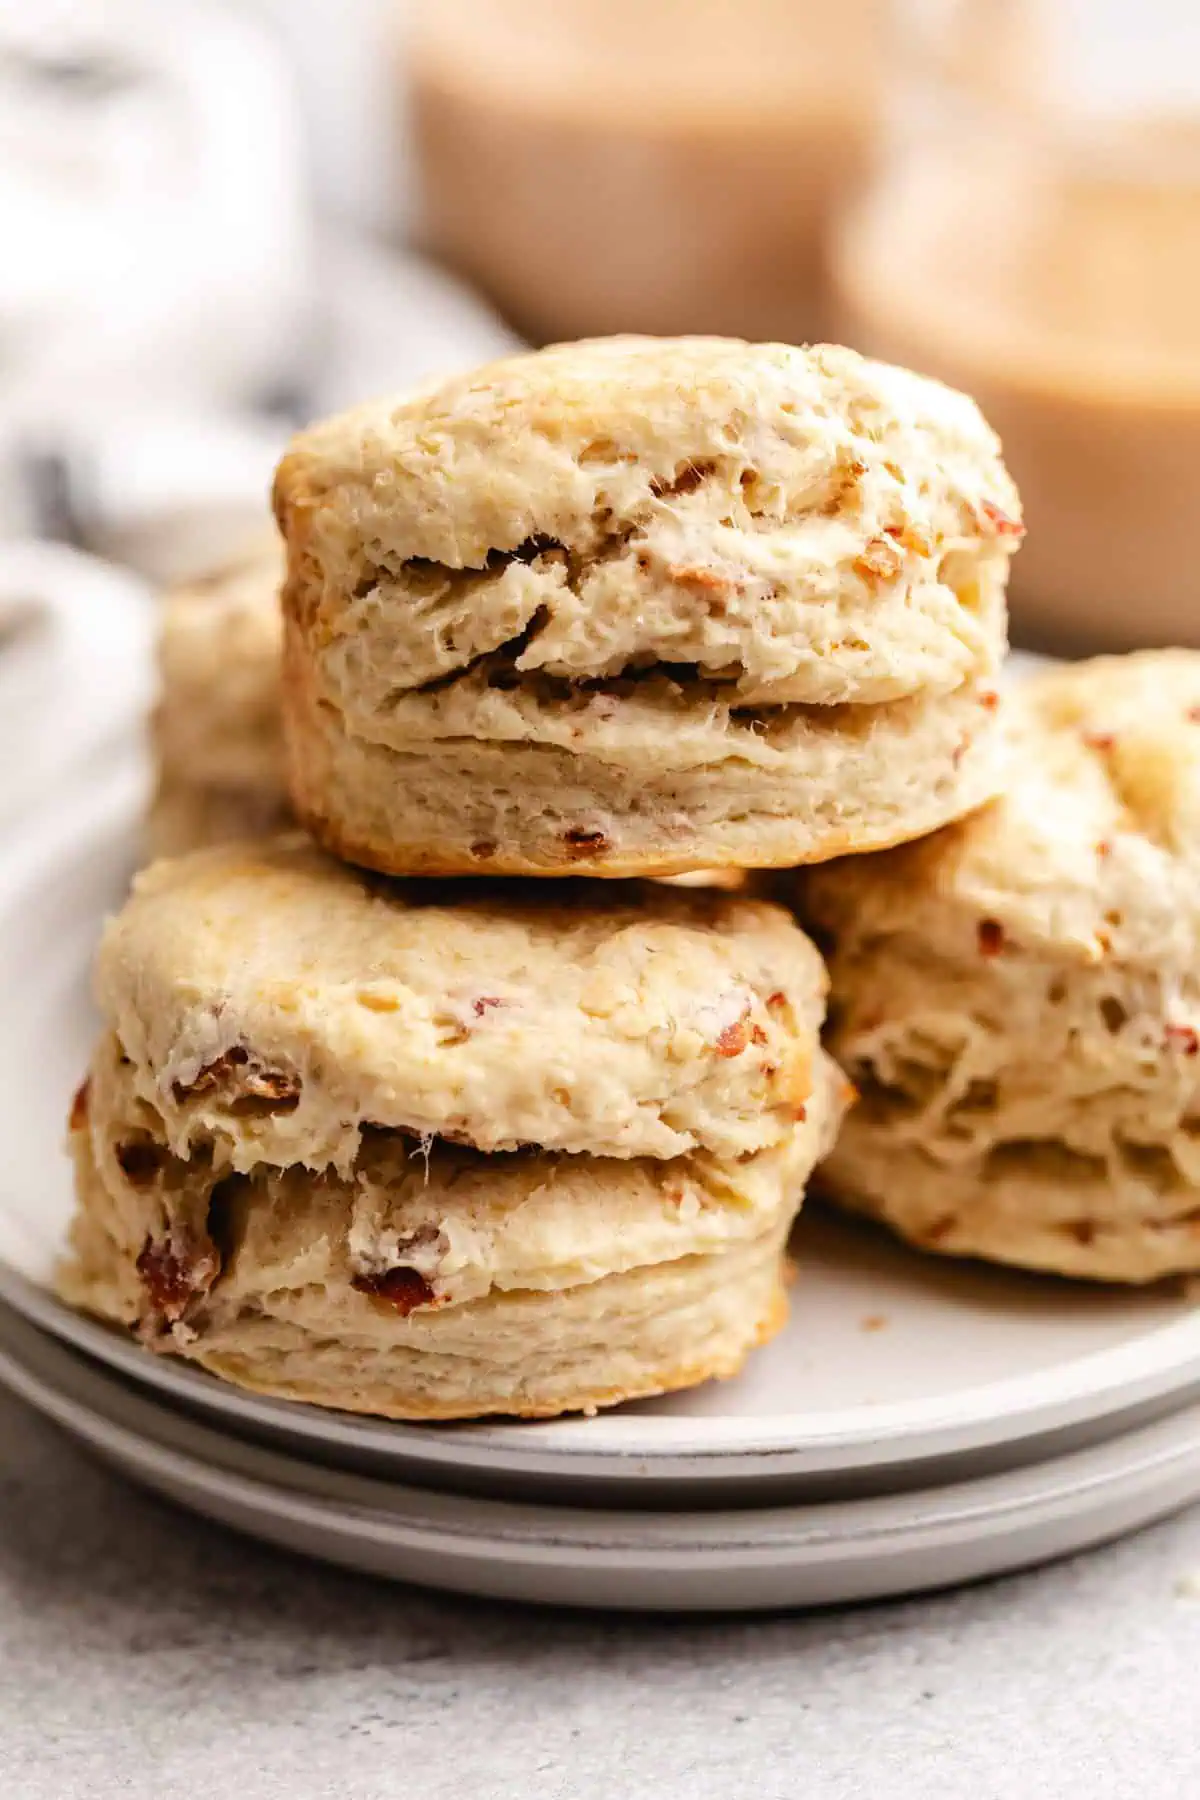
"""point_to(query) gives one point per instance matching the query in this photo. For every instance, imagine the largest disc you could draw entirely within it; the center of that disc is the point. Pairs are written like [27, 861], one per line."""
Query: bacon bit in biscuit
[172, 1280]
[733, 1040]
[582, 843]
[989, 700]
[485, 1003]
[777, 999]
[1182, 1038]
[403, 1289]
[483, 850]
[879, 561]
[1101, 741]
[1001, 523]
[990, 934]
[79, 1104]
[757, 1035]
[1103, 942]
[800, 1114]
[139, 1163]
[1103, 848]
[237, 1069]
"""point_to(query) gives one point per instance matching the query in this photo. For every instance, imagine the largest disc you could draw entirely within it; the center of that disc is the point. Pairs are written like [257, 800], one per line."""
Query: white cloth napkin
[153, 208]
[163, 281]
[76, 671]
[175, 493]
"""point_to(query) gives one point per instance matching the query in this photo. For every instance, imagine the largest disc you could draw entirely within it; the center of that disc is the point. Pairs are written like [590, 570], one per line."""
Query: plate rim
[659, 1447]
[540, 1528]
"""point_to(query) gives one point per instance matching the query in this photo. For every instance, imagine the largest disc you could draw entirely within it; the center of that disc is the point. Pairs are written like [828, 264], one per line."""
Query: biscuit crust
[635, 558]
[1018, 997]
[432, 1281]
[278, 1005]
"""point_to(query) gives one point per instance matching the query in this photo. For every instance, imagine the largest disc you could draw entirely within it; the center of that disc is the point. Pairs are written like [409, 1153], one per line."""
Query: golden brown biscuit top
[804, 523]
[276, 1004]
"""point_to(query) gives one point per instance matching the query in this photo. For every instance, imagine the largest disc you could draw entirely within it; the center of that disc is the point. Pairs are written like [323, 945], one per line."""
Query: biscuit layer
[278, 1004]
[431, 1280]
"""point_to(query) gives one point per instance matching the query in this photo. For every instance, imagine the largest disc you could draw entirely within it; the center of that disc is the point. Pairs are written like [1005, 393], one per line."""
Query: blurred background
[223, 217]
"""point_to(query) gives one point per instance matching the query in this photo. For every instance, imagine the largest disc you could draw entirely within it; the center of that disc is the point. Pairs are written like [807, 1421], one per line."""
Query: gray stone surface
[146, 1654]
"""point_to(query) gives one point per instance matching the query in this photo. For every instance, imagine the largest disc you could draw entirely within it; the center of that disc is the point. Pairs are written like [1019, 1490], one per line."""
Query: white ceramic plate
[894, 1369]
[761, 1558]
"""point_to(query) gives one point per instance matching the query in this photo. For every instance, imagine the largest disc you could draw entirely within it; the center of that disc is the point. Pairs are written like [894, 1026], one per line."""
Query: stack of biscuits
[381, 1117]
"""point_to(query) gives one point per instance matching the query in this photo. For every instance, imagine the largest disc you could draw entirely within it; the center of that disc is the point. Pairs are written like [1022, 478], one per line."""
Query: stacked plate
[918, 1423]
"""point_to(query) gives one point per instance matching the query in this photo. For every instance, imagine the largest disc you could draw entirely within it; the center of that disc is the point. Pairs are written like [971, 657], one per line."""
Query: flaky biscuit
[433, 1281]
[216, 735]
[277, 1005]
[1018, 997]
[642, 605]
[639, 792]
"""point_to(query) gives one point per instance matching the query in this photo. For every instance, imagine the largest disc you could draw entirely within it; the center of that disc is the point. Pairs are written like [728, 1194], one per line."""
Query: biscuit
[1018, 997]
[433, 1281]
[639, 1020]
[401, 1149]
[643, 606]
[217, 737]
